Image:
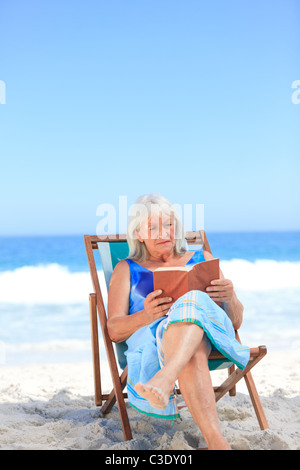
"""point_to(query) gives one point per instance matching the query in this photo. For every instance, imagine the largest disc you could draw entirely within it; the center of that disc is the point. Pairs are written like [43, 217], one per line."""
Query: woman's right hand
[156, 308]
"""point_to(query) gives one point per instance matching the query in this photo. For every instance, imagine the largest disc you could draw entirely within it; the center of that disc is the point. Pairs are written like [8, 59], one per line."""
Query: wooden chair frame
[96, 304]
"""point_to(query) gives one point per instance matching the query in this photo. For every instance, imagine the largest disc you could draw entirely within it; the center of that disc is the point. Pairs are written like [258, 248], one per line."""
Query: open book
[175, 281]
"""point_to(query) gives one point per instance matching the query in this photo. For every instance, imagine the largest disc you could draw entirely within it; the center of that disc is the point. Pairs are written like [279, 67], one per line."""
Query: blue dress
[145, 355]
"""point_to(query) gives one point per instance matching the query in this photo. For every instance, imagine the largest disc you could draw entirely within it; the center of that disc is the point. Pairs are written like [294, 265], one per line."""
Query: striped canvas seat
[111, 254]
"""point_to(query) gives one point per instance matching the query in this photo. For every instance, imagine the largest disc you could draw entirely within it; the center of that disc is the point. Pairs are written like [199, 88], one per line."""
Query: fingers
[220, 297]
[217, 289]
[154, 294]
[161, 305]
[162, 300]
[162, 308]
[220, 290]
[152, 298]
[218, 283]
[156, 307]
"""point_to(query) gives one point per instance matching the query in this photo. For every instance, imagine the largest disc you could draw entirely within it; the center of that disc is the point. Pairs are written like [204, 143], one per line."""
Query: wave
[262, 275]
[44, 284]
[44, 313]
[55, 284]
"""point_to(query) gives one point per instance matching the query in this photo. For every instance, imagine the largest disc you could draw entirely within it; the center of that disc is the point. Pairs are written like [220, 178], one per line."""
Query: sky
[191, 99]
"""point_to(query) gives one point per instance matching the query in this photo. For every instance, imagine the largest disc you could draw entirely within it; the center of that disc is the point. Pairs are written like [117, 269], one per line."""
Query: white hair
[144, 207]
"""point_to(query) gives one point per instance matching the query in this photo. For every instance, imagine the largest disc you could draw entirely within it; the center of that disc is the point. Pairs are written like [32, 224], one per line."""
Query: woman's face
[158, 234]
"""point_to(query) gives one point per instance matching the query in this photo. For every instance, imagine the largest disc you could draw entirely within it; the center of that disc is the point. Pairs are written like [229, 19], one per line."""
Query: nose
[164, 232]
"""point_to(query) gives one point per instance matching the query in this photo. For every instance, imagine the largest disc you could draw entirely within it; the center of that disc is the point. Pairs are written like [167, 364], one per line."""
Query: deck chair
[112, 249]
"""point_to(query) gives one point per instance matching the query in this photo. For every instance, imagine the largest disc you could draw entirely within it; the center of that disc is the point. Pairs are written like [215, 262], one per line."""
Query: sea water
[45, 284]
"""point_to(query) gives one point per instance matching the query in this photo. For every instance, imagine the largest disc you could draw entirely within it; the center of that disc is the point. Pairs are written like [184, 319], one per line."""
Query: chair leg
[111, 399]
[118, 391]
[232, 391]
[116, 379]
[262, 420]
[237, 375]
[95, 349]
[118, 382]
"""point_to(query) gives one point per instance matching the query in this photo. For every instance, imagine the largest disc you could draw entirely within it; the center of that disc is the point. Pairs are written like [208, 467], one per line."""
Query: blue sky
[188, 98]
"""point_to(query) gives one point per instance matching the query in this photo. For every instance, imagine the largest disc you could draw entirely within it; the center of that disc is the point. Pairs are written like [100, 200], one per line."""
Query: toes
[161, 400]
[139, 388]
[154, 395]
[155, 390]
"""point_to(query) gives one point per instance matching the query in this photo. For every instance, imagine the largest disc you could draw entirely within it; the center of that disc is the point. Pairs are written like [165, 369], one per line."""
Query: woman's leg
[182, 340]
[186, 350]
[197, 390]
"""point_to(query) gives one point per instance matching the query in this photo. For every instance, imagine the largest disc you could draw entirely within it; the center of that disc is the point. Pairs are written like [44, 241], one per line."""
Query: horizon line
[76, 234]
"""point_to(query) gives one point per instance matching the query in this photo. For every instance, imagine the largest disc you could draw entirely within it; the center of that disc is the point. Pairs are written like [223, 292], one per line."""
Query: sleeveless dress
[145, 354]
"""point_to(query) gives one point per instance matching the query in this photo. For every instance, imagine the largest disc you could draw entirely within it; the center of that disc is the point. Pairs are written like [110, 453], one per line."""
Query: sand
[51, 406]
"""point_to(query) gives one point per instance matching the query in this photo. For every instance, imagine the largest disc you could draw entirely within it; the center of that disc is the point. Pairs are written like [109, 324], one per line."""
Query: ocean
[45, 284]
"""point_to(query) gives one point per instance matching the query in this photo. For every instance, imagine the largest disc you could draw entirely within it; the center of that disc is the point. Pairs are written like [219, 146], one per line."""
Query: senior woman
[169, 341]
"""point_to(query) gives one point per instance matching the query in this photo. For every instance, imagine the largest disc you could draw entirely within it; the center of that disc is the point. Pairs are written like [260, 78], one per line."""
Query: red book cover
[175, 281]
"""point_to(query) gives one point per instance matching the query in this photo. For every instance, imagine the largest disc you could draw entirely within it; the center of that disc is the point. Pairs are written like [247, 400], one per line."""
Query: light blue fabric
[197, 307]
[143, 363]
[145, 355]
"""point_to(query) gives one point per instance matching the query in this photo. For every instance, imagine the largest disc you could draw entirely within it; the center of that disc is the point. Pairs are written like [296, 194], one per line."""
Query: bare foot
[155, 395]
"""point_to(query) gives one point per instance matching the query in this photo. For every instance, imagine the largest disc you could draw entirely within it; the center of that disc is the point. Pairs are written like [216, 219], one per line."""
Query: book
[175, 281]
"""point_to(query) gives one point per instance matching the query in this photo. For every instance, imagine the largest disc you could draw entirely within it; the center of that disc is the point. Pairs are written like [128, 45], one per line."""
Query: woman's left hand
[221, 290]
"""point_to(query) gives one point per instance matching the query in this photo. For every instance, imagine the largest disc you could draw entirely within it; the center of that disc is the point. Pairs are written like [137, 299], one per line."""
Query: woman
[169, 341]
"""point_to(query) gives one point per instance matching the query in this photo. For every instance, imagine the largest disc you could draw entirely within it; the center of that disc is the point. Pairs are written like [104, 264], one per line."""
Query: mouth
[163, 243]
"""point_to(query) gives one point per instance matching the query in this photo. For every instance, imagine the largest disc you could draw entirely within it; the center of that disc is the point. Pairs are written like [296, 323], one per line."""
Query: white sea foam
[55, 284]
[44, 312]
[44, 284]
[262, 275]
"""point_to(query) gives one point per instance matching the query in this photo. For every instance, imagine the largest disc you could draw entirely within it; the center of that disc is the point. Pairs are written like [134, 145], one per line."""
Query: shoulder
[120, 278]
[123, 265]
[121, 269]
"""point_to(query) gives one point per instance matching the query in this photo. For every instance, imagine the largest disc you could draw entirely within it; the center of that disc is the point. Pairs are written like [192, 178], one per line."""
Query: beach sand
[51, 406]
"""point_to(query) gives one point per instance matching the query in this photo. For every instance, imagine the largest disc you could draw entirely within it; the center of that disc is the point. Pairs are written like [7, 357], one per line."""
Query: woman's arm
[221, 290]
[120, 325]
